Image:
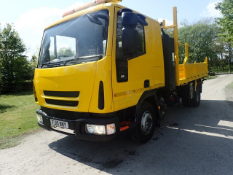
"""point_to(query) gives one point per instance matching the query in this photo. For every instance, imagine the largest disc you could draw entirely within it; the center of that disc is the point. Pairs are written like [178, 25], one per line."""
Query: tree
[229, 56]
[14, 66]
[226, 23]
[0, 76]
[201, 37]
[66, 52]
[33, 61]
[226, 8]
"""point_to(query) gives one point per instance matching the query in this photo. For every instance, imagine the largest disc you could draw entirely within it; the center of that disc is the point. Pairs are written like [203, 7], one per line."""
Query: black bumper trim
[78, 126]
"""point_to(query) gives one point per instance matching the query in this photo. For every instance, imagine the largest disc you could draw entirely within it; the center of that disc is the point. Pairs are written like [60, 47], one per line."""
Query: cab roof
[90, 10]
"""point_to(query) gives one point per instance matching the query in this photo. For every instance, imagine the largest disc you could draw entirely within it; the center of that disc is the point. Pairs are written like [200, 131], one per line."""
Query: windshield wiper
[50, 64]
[90, 56]
[85, 59]
[76, 60]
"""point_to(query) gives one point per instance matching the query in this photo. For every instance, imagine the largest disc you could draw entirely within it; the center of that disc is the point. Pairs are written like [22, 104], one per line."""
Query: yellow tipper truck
[106, 71]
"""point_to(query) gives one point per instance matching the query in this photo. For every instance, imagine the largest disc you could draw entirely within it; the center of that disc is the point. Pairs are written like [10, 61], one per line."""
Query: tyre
[145, 123]
[185, 95]
[195, 102]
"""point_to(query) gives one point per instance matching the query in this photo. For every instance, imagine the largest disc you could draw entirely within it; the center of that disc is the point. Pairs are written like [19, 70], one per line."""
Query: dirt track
[190, 141]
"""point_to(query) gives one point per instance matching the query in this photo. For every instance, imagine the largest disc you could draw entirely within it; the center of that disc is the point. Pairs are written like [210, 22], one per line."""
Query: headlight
[108, 129]
[96, 129]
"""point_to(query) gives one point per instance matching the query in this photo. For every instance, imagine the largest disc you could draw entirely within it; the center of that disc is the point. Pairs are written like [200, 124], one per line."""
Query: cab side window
[121, 60]
[141, 39]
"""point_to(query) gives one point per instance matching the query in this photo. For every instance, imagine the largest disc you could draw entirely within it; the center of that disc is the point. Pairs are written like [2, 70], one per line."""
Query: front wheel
[145, 123]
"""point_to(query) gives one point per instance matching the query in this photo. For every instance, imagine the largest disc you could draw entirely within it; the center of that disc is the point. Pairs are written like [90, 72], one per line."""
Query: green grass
[17, 117]
[230, 86]
[211, 77]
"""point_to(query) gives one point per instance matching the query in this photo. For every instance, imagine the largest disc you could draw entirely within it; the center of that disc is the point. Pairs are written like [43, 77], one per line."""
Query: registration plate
[58, 123]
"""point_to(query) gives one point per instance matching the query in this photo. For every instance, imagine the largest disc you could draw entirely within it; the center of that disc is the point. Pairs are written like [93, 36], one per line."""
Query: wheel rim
[146, 123]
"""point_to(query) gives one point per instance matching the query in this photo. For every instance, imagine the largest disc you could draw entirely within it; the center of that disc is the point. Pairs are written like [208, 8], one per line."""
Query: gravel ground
[190, 141]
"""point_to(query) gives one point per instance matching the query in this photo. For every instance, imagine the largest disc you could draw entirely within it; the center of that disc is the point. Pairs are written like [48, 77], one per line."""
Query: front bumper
[78, 126]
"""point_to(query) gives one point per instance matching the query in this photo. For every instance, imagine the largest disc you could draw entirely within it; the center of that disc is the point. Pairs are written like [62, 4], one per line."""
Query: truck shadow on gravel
[103, 156]
[188, 138]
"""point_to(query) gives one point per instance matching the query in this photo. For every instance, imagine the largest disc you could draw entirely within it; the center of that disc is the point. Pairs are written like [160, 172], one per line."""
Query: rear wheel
[196, 96]
[145, 123]
[195, 102]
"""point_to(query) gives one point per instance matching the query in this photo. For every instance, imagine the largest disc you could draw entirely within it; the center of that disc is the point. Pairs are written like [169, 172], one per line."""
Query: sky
[31, 17]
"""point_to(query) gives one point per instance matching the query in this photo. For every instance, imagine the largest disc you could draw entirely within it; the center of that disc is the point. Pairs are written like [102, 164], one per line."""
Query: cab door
[129, 75]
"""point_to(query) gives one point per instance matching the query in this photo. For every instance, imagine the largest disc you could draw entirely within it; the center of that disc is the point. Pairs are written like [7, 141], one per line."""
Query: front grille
[61, 102]
[62, 114]
[71, 115]
[62, 93]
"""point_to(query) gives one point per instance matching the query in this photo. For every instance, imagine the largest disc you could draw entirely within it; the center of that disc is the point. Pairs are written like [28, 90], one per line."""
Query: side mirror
[94, 19]
[142, 20]
[129, 33]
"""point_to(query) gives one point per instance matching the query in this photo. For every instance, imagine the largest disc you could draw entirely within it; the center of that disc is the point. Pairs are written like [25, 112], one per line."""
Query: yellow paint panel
[127, 94]
[158, 76]
[127, 100]
[69, 78]
[189, 72]
[103, 74]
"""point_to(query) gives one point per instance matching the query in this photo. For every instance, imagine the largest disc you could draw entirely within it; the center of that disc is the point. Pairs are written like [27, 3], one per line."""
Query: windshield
[80, 40]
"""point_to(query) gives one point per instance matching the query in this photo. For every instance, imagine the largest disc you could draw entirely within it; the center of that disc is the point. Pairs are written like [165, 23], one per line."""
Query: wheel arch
[151, 97]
